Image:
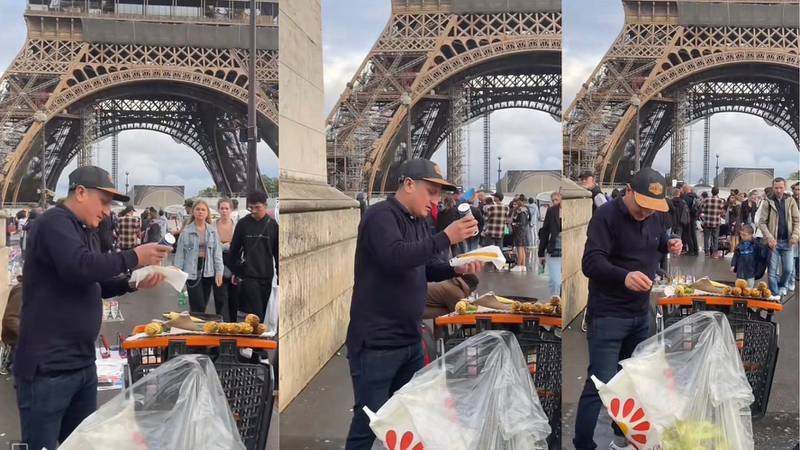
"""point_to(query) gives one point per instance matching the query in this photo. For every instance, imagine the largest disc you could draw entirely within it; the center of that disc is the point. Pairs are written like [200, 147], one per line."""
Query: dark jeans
[51, 407]
[199, 291]
[233, 300]
[610, 339]
[221, 306]
[377, 374]
[689, 233]
[711, 238]
[254, 295]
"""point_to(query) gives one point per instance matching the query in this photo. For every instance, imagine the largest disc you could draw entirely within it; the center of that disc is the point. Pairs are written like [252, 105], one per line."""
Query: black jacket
[550, 232]
[254, 248]
[396, 256]
[66, 276]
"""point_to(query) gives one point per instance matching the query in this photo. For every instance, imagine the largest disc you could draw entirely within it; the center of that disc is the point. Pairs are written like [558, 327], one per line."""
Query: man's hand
[151, 254]
[151, 281]
[461, 230]
[792, 242]
[638, 282]
[468, 268]
[218, 280]
[675, 246]
[234, 280]
[772, 244]
[733, 269]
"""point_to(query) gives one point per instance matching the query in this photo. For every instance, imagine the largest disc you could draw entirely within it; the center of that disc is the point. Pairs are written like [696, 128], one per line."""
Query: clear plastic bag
[478, 396]
[179, 405]
[683, 389]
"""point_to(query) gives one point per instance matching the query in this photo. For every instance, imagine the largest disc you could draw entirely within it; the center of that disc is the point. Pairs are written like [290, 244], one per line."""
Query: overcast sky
[149, 156]
[525, 139]
[741, 140]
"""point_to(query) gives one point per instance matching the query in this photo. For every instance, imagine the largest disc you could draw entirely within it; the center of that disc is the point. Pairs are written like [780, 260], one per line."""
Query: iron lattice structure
[449, 58]
[681, 61]
[180, 70]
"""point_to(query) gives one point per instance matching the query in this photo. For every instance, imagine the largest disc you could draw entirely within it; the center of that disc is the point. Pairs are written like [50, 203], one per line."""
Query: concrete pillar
[5, 282]
[318, 223]
[576, 211]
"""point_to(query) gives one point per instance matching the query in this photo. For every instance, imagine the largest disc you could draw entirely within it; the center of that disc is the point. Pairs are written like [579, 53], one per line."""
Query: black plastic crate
[542, 351]
[247, 386]
[757, 341]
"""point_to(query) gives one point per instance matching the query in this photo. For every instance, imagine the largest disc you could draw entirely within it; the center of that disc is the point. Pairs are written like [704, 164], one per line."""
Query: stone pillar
[5, 282]
[318, 223]
[576, 211]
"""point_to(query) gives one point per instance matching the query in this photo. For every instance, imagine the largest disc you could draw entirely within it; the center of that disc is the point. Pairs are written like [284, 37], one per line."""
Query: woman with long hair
[199, 254]
[520, 226]
[225, 295]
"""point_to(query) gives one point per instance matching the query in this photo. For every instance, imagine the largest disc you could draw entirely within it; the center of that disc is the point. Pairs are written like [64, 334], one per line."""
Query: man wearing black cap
[625, 243]
[66, 275]
[395, 258]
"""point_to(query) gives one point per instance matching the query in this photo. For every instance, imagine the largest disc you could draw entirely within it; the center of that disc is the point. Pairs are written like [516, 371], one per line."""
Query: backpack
[683, 216]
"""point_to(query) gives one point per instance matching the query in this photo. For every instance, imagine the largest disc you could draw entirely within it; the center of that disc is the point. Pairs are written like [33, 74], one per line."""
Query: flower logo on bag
[405, 441]
[631, 420]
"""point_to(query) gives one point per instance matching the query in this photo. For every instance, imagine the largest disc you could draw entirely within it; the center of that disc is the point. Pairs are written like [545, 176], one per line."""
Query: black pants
[199, 291]
[254, 295]
[222, 301]
[690, 238]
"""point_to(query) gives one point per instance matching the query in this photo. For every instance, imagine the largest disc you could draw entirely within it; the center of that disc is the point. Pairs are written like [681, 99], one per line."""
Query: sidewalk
[778, 430]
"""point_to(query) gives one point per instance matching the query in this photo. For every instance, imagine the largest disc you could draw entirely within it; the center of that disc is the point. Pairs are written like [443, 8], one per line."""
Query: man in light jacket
[779, 222]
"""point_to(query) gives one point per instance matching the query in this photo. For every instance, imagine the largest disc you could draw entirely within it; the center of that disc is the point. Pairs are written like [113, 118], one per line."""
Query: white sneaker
[516, 269]
[613, 446]
[782, 292]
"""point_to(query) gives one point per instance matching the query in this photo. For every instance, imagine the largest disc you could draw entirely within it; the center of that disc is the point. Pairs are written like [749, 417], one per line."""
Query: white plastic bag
[178, 406]
[174, 276]
[490, 254]
[478, 396]
[683, 388]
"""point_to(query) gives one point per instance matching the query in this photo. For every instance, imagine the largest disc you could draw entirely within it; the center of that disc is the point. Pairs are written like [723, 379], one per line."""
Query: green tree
[271, 184]
[210, 191]
[795, 175]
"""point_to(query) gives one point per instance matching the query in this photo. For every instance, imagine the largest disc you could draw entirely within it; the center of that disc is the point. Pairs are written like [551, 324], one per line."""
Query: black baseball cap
[93, 177]
[423, 169]
[649, 188]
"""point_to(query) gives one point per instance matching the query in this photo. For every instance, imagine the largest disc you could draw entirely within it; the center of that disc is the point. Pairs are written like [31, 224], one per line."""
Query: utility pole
[252, 85]
[499, 158]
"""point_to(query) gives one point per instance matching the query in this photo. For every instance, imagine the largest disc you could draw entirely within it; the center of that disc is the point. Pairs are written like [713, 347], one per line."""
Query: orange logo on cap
[656, 188]
[438, 170]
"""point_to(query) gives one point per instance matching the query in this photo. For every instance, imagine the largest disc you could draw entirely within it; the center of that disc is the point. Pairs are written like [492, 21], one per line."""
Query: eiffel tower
[436, 67]
[677, 62]
[92, 68]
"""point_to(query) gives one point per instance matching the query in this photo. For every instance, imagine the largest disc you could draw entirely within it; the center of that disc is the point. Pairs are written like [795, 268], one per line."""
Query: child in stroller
[10, 328]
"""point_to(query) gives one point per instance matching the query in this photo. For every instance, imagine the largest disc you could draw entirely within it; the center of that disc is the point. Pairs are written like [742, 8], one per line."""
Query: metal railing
[232, 11]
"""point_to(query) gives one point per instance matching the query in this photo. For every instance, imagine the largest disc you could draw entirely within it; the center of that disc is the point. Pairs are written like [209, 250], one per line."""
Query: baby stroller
[10, 329]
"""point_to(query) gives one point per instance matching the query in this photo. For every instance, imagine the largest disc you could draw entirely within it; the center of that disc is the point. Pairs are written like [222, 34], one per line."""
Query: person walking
[624, 245]
[129, 229]
[66, 276]
[199, 254]
[225, 299]
[712, 209]
[520, 228]
[533, 232]
[396, 255]
[689, 237]
[254, 256]
[550, 244]
[496, 220]
[779, 222]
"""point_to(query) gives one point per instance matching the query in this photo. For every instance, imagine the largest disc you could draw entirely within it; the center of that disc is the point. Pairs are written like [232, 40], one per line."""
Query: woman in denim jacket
[199, 253]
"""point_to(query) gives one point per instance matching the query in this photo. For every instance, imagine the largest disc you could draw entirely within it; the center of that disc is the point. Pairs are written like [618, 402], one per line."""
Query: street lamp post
[41, 117]
[716, 173]
[637, 165]
[405, 99]
[499, 158]
[252, 85]
[126, 182]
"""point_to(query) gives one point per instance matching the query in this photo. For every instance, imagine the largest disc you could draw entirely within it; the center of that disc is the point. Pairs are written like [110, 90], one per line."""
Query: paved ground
[139, 307]
[327, 402]
[778, 430]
